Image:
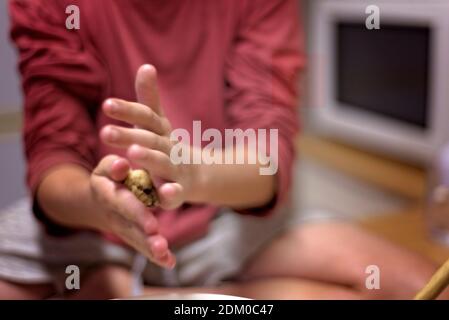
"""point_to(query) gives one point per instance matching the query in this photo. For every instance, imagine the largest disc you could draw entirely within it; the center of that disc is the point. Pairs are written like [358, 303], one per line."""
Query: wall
[12, 169]
[10, 95]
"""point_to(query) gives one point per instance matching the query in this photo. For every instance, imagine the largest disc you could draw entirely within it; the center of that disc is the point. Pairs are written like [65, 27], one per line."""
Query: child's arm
[148, 145]
[61, 79]
[72, 197]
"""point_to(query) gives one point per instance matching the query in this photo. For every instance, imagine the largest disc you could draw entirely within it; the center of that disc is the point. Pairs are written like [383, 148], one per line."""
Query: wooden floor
[408, 228]
[389, 174]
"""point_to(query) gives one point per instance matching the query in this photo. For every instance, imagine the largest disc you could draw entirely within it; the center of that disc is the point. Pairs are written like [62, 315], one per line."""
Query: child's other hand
[121, 213]
[148, 143]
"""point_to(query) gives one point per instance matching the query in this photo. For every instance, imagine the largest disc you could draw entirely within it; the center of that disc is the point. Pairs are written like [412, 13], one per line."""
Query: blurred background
[374, 109]
[12, 186]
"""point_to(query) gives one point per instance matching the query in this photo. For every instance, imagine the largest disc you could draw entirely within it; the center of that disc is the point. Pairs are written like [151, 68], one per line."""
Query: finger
[119, 170]
[162, 256]
[146, 88]
[153, 161]
[170, 195]
[156, 249]
[160, 252]
[169, 261]
[113, 167]
[158, 245]
[127, 205]
[136, 114]
[125, 137]
[148, 222]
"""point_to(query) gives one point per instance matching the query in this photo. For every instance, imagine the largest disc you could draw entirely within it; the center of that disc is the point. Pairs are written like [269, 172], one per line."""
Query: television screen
[384, 71]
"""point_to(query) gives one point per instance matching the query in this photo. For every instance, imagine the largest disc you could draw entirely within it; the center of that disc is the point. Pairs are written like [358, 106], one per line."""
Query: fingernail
[113, 134]
[148, 67]
[172, 265]
[112, 105]
[137, 151]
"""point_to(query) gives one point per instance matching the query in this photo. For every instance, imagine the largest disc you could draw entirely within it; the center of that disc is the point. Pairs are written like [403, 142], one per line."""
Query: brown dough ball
[139, 182]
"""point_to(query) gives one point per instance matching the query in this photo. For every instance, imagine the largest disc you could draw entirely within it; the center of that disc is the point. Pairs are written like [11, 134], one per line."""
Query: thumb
[147, 91]
[113, 167]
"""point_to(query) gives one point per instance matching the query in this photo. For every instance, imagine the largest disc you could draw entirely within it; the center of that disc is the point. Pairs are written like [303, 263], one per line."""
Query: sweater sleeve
[62, 81]
[262, 74]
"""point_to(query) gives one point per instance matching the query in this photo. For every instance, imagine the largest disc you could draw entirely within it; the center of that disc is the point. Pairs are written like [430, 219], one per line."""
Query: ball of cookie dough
[140, 184]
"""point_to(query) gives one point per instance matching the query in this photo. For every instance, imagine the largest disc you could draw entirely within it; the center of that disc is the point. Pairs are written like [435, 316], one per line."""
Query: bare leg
[15, 291]
[295, 288]
[314, 261]
[339, 253]
[104, 282]
[268, 288]
[228, 289]
[110, 282]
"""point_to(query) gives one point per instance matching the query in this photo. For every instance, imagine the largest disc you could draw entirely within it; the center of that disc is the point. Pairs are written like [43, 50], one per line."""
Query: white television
[383, 89]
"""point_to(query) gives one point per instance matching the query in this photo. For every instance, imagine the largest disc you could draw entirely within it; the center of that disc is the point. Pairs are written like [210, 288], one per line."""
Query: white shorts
[29, 255]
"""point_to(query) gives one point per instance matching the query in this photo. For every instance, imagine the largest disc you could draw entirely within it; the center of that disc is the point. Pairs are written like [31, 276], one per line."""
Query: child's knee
[400, 280]
[105, 282]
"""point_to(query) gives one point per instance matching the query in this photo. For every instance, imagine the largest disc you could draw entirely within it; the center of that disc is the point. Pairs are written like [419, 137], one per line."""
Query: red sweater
[228, 63]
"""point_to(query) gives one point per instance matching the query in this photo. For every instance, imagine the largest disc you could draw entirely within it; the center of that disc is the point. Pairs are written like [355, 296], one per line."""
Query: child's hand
[148, 143]
[123, 214]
